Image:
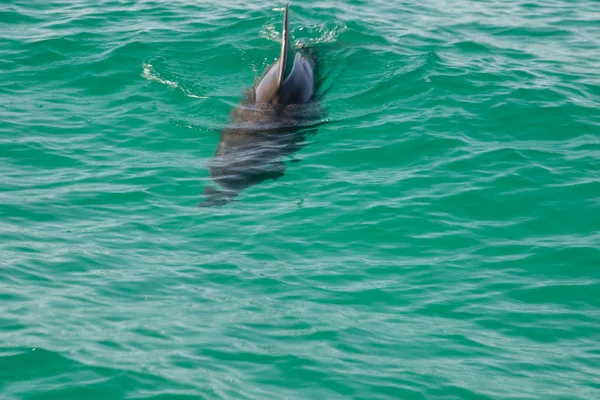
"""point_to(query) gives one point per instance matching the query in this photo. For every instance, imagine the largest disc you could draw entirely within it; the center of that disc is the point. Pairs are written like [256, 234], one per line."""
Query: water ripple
[438, 231]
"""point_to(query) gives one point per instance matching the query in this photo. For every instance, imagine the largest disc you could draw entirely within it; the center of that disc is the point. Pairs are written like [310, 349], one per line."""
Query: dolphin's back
[299, 86]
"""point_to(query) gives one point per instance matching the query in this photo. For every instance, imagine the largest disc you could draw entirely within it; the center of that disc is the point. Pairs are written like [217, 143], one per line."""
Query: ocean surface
[436, 237]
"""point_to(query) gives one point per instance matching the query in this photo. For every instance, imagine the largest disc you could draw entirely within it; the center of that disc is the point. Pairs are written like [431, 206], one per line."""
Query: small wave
[150, 74]
[189, 94]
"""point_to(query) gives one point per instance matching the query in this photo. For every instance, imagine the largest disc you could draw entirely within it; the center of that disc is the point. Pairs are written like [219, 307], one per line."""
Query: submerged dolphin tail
[216, 198]
[285, 45]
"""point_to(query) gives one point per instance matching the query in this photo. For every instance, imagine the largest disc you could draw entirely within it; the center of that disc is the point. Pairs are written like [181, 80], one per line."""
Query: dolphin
[269, 123]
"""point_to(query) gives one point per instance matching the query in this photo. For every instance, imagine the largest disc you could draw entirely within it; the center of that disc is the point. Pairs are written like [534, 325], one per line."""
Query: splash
[323, 34]
[317, 34]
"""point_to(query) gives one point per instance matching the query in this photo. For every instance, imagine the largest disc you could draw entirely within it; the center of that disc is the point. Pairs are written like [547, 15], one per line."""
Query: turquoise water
[438, 237]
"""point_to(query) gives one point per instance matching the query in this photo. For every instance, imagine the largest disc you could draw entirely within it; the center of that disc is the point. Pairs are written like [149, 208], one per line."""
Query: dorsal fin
[285, 45]
[267, 90]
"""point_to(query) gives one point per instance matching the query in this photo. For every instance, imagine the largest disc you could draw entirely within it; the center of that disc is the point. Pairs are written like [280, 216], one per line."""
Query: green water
[438, 239]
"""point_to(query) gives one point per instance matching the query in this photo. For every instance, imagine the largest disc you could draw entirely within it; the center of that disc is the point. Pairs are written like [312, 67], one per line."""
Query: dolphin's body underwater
[266, 126]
